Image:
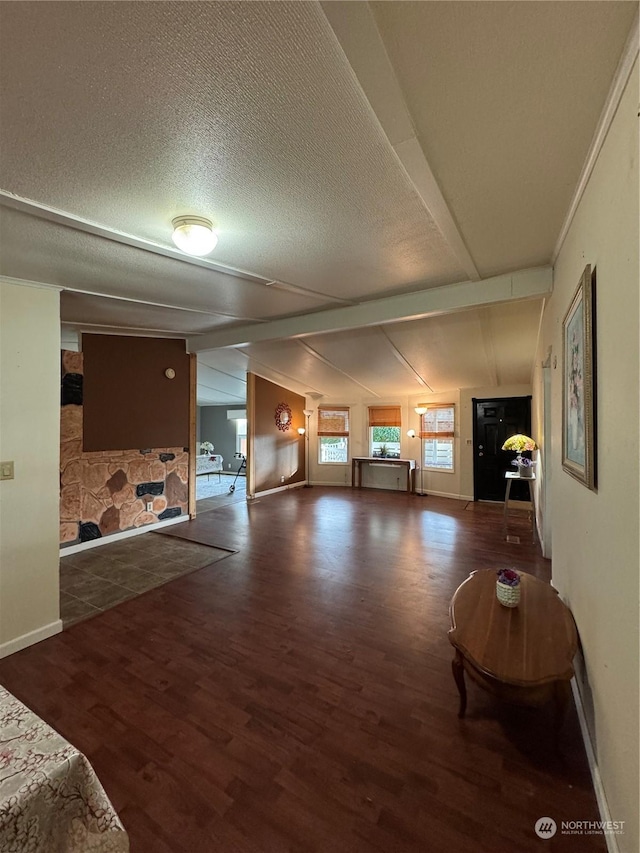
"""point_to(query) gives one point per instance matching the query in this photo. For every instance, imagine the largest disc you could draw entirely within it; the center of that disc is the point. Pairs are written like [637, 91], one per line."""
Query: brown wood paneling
[193, 380]
[129, 403]
[276, 454]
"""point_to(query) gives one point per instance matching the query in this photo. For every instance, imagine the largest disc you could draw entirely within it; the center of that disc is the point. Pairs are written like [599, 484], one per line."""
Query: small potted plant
[508, 587]
[524, 466]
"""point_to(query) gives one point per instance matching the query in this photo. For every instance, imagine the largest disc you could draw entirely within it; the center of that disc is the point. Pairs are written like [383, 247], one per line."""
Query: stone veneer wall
[105, 492]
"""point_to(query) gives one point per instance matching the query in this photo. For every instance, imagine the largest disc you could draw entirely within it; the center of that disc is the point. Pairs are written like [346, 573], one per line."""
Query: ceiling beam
[356, 30]
[525, 284]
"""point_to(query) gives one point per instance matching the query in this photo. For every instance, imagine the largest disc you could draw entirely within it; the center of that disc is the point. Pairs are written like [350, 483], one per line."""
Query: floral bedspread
[51, 800]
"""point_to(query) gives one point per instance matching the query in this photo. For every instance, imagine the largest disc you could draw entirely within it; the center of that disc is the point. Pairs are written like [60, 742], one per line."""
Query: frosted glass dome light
[194, 235]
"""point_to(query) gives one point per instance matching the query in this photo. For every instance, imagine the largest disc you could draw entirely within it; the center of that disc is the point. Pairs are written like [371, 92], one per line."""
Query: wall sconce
[194, 235]
[301, 430]
[421, 410]
[411, 433]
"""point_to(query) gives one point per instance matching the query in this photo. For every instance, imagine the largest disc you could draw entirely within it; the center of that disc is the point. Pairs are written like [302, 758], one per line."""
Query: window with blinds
[333, 435]
[384, 431]
[438, 432]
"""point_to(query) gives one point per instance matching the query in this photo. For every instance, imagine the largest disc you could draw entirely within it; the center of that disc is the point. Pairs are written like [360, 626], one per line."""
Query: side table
[522, 654]
[510, 476]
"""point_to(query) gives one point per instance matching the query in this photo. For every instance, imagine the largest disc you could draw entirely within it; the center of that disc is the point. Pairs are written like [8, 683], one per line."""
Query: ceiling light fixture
[194, 235]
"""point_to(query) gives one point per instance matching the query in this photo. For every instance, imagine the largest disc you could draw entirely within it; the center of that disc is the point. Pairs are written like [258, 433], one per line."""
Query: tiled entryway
[94, 580]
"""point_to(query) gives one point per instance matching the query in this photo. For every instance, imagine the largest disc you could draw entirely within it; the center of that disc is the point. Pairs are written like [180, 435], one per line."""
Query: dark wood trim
[193, 392]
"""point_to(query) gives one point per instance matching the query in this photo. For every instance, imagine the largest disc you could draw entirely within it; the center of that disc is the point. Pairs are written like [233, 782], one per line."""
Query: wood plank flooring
[297, 696]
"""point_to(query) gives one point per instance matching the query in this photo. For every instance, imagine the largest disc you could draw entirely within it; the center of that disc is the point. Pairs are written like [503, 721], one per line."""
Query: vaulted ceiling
[383, 178]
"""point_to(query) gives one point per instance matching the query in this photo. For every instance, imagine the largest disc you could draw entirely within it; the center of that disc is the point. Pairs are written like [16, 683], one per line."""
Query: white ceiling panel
[130, 316]
[387, 375]
[222, 377]
[292, 361]
[216, 380]
[505, 98]
[461, 350]
[210, 397]
[233, 362]
[513, 332]
[38, 250]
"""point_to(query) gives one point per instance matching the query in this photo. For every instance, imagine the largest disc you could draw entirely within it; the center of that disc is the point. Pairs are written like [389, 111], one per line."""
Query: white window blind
[438, 432]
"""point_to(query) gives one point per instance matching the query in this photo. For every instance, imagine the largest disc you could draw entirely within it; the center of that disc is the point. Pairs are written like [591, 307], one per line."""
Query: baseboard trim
[601, 797]
[448, 495]
[275, 491]
[22, 642]
[124, 534]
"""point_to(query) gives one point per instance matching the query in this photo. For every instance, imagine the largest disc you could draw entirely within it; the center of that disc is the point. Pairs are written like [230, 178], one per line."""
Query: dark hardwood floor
[297, 696]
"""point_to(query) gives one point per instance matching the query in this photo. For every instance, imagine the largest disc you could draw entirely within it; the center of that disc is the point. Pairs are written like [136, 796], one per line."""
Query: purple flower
[522, 460]
[508, 577]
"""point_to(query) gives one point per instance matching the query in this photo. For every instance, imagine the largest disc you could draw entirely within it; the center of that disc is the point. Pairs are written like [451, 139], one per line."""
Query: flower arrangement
[508, 587]
[522, 462]
[206, 447]
[519, 443]
[508, 577]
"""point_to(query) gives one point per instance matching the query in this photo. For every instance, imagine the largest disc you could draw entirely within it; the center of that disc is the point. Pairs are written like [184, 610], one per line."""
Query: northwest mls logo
[545, 827]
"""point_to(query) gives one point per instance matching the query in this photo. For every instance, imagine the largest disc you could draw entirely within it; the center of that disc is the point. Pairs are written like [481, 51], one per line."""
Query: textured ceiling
[345, 151]
[245, 112]
[505, 97]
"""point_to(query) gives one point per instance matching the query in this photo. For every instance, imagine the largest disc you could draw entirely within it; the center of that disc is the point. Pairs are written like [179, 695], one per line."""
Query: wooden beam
[525, 284]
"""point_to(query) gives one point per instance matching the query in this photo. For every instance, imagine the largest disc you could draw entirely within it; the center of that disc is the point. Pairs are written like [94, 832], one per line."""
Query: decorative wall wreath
[283, 416]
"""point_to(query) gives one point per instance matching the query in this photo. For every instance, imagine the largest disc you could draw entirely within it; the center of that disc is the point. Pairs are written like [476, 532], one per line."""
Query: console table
[522, 654]
[358, 461]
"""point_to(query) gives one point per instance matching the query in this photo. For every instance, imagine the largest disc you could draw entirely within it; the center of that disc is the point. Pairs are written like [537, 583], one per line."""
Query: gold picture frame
[578, 384]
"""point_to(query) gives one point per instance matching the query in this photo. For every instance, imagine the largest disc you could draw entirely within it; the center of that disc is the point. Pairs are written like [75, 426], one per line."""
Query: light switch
[6, 470]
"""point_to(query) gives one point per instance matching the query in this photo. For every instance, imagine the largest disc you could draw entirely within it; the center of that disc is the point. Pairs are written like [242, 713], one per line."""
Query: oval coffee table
[522, 654]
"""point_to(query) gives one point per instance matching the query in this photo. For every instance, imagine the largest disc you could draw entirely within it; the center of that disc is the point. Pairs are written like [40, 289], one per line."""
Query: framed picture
[578, 384]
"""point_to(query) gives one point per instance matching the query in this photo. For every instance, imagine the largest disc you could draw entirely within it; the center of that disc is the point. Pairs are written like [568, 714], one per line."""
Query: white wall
[30, 436]
[458, 484]
[596, 544]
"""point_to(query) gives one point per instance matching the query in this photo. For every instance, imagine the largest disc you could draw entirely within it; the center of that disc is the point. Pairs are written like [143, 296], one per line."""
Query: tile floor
[94, 580]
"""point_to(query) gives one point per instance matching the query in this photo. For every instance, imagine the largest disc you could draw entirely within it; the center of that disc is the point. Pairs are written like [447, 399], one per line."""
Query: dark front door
[494, 421]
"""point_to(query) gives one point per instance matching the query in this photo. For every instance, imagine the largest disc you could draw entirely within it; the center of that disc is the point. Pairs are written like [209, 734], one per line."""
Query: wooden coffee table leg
[457, 667]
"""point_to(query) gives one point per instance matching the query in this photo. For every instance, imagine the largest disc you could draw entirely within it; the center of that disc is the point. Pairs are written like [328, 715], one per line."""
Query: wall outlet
[149, 506]
[282, 479]
[229, 465]
[6, 470]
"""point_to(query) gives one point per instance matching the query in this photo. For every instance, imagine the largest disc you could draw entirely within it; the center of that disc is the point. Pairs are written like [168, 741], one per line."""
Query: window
[333, 434]
[384, 431]
[437, 430]
[241, 435]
